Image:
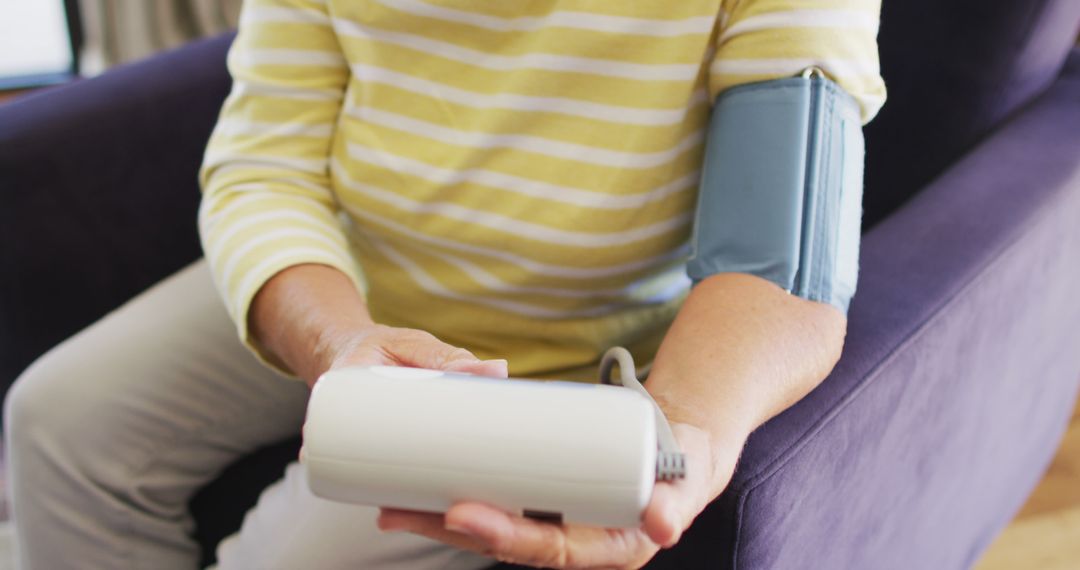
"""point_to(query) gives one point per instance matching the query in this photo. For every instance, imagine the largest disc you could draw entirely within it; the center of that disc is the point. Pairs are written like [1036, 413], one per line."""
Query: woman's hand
[310, 319]
[509, 538]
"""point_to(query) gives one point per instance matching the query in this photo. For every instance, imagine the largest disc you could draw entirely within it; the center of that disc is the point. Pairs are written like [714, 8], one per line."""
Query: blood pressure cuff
[781, 188]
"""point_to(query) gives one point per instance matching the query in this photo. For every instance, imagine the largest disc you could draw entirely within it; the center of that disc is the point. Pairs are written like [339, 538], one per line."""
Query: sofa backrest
[98, 193]
[955, 69]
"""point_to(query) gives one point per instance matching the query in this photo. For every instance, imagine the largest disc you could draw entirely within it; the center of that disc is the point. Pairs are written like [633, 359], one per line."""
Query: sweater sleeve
[267, 202]
[761, 40]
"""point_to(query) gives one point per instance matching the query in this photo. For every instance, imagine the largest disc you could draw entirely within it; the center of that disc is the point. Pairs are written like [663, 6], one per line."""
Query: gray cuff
[781, 188]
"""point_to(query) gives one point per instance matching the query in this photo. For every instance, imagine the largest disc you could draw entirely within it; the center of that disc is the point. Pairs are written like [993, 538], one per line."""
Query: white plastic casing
[424, 440]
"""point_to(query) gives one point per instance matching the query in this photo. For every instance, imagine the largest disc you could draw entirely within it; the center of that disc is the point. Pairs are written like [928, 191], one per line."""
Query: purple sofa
[963, 354]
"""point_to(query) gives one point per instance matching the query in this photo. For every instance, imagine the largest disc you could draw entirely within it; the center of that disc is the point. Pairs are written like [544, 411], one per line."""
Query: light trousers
[111, 433]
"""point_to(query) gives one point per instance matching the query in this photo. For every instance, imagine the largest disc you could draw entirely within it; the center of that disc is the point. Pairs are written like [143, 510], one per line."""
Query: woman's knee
[38, 407]
[53, 409]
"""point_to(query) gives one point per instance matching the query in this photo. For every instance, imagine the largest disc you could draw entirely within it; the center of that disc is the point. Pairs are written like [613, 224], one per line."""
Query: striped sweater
[515, 177]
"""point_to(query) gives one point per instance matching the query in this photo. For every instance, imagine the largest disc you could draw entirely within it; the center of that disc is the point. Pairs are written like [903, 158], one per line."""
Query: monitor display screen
[35, 44]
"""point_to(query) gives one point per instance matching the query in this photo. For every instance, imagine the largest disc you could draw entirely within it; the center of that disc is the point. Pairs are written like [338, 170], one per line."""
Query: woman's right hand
[377, 344]
[310, 319]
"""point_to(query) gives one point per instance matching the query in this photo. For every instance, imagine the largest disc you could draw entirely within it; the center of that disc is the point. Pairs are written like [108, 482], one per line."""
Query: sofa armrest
[958, 377]
[98, 192]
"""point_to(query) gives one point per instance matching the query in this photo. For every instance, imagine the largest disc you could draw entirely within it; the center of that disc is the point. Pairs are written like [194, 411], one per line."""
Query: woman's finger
[491, 368]
[422, 350]
[430, 525]
[538, 543]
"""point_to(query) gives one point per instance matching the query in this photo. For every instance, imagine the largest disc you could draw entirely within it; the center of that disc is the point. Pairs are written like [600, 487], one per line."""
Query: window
[35, 43]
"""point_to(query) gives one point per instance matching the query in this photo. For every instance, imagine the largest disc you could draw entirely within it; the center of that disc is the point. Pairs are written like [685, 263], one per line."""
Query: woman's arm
[267, 201]
[268, 219]
[741, 350]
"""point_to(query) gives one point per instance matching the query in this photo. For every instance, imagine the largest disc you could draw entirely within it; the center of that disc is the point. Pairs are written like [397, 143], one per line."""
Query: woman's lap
[111, 432]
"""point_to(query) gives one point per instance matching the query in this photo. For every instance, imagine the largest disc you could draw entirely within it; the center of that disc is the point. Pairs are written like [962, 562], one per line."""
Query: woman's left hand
[509, 538]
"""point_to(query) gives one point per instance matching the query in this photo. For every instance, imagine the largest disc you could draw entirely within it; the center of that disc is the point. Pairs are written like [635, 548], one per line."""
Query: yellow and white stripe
[584, 197]
[515, 179]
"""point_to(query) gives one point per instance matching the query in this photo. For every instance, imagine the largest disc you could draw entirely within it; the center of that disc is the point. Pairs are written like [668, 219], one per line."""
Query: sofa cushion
[955, 69]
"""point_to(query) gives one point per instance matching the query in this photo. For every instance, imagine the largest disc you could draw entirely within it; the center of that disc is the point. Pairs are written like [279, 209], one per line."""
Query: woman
[483, 187]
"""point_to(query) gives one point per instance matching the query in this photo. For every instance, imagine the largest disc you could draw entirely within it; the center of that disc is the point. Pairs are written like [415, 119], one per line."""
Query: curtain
[116, 31]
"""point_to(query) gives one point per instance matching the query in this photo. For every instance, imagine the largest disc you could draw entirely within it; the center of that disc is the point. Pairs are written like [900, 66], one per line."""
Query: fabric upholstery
[120, 153]
[954, 69]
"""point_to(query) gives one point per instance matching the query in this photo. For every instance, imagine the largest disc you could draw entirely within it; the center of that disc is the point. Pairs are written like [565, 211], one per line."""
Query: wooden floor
[1046, 533]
